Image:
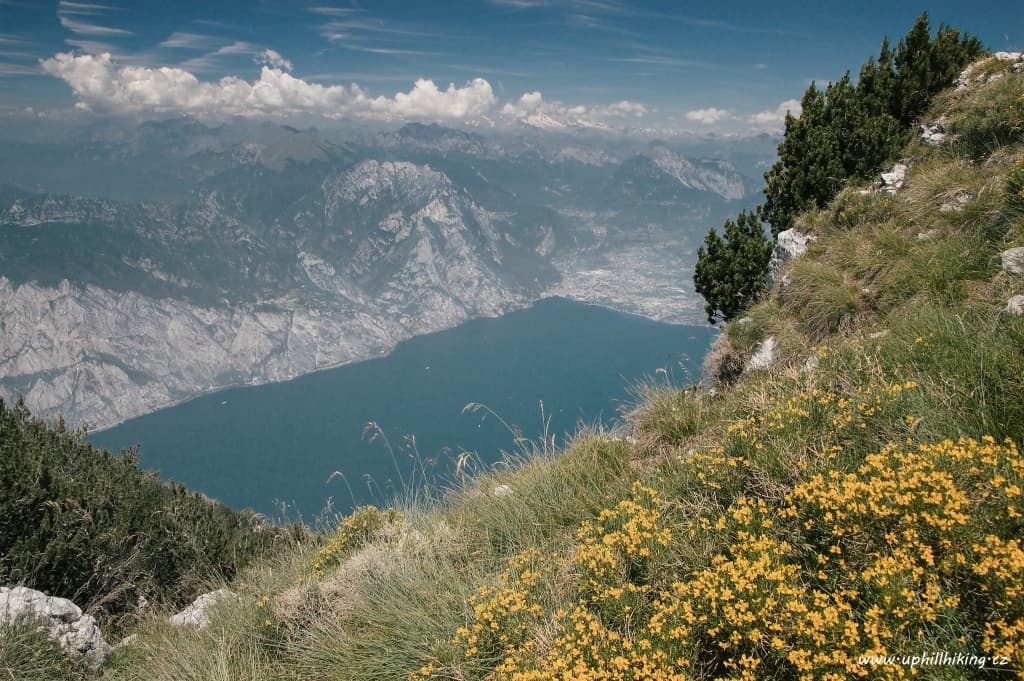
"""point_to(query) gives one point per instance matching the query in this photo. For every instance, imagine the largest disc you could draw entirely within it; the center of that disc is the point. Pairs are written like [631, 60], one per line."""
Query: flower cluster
[502, 617]
[617, 554]
[822, 414]
[353, 531]
[914, 546]
[1000, 565]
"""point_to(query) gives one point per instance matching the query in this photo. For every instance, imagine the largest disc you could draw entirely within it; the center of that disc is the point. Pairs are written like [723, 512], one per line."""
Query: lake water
[257, 446]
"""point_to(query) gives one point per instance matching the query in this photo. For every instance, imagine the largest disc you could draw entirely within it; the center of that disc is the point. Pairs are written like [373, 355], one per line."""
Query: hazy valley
[143, 265]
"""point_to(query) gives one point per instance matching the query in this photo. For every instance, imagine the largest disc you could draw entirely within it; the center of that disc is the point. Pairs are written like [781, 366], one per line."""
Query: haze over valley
[143, 264]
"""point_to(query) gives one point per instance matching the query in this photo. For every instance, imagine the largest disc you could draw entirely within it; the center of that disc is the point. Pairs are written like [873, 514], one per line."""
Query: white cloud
[425, 100]
[709, 116]
[83, 7]
[90, 46]
[527, 104]
[100, 83]
[334, 11]
[7, 69]
[623, 108]
[213, 60]
[774, 119]
[531, 108]
[190, 41]
[67, 13]
[273, 59]
[84, 28]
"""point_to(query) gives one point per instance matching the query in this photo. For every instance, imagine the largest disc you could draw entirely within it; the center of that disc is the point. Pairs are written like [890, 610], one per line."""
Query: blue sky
[695, 65]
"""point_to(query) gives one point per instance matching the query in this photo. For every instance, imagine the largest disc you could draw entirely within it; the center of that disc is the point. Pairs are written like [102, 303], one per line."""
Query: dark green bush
[844, 133]
[731, 269]
[848, 132]
[81, 523]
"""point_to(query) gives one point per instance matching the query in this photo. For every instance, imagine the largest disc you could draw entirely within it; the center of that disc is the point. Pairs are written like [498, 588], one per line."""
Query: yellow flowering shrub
[589, 650]
[353, 531]
[1000, 565]
[617, 556]
[807, 429]
[502, 617]
[914, 549]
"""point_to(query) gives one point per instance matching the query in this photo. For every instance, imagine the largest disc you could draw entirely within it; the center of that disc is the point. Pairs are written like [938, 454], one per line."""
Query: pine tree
[731, 272]
[851, 131]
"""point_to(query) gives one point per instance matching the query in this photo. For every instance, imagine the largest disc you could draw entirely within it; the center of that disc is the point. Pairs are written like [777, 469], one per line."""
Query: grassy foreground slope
[863, 497]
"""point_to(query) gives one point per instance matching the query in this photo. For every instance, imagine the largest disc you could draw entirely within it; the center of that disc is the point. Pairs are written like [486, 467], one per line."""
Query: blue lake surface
[260, 445]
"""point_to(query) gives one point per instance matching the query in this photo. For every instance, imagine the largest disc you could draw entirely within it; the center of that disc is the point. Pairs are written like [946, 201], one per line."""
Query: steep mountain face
[287, 252]
[660, 174]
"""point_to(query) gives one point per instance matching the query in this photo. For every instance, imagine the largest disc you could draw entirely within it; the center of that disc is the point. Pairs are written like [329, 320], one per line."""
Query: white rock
[790, 244]
[934, 133]
[927, 235]
[1012, 260]
[811, 365]
[895, 179]
[764, 356]
[1015, 306]
[502, 491]
[62, 620]
[967, 75]
[197, 613]
[955, 203]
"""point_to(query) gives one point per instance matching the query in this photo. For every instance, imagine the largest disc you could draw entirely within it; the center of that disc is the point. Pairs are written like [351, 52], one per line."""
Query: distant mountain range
[142, 265]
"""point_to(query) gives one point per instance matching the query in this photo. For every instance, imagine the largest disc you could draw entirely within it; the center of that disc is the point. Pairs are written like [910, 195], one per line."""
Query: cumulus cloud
[274, 60]
[531, 108]
[773, 119]
[527, 104]
[426, 100]
[99, 83]
[709, 116]
[621, 109]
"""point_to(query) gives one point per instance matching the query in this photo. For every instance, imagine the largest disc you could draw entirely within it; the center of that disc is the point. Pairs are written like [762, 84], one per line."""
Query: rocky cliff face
[286, 253]
[381, 252]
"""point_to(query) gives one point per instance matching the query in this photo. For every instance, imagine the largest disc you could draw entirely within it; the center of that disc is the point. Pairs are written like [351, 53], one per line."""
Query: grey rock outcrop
[955, 203]
[933, 133]
[1012, 260]
[790, 244]
[895, 179]
[811, 365]
[63, 621]
[968, 76]
[1015, 306]
[197, 614]
[764, 356]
